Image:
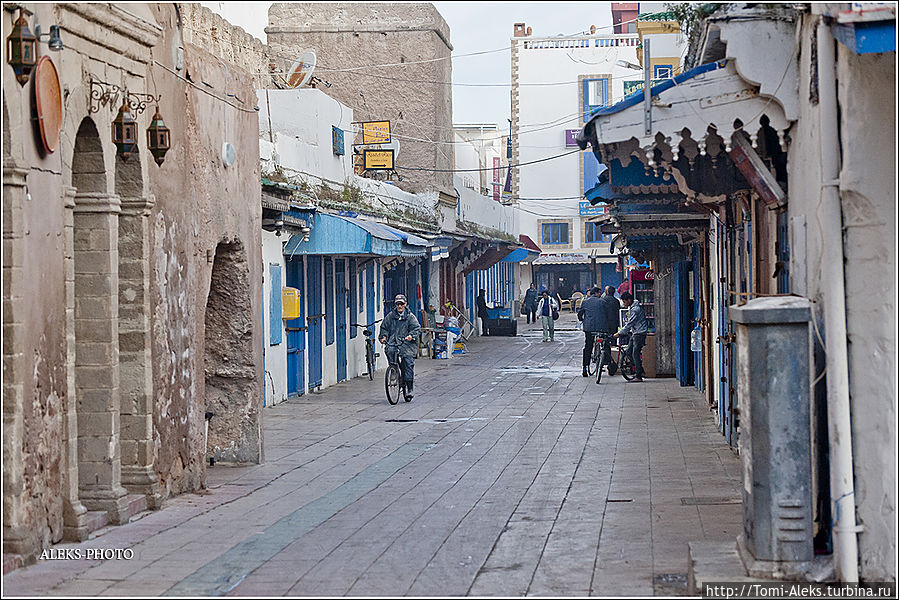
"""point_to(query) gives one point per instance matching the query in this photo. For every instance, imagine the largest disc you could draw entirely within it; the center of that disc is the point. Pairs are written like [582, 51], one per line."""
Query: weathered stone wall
[103, 390]
[200, 203]
[205, 29]
[349, 39]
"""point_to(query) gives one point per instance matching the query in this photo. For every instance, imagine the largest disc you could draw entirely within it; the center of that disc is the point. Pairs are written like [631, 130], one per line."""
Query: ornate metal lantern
[124, 131]
[158, 140]
[21, 49]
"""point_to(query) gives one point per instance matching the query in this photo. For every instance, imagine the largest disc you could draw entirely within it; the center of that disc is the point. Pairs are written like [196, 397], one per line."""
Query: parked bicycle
[394, 382]
[602, 355]
[370, 354]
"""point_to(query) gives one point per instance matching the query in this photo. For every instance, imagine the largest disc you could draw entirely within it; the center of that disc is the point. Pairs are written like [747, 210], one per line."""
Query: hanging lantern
[124, 131]
[158, 138]
[21, 49]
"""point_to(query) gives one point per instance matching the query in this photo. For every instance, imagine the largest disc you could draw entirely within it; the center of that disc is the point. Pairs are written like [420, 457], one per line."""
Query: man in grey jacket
[399, 333]
[636, 324]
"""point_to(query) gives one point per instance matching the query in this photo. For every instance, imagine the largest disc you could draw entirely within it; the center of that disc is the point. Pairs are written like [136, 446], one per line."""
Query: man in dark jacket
[483, 315]
[399, 333]
[530, 303]
[600, 316]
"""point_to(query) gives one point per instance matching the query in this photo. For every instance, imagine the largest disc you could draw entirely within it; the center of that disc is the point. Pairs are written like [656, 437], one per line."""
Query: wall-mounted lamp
[124, 131]
[54, 40]
[21, 49]
[158, 141]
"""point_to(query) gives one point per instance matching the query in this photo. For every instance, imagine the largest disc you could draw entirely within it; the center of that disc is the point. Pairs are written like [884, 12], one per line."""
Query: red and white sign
[496, 171]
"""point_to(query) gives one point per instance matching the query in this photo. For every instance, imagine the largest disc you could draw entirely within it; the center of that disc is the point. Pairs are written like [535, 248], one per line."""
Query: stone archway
[231, 386]
[95, 282]
[135, 342]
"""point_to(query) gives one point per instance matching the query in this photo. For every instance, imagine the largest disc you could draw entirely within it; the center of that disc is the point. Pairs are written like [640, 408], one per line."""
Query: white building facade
[587, 72]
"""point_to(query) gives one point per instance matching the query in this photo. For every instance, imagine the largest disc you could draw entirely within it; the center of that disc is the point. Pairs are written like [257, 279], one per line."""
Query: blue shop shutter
[329, 301]
[274, 316]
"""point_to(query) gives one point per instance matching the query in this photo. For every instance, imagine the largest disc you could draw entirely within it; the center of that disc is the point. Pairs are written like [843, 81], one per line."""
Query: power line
[490, 169]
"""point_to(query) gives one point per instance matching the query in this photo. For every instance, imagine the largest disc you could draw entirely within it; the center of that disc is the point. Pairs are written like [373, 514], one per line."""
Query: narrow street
[509, 474]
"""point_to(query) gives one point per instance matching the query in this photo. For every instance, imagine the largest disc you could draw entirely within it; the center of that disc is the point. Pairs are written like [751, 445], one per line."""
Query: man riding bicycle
[636, 324]
[399, 333]
[600, 316]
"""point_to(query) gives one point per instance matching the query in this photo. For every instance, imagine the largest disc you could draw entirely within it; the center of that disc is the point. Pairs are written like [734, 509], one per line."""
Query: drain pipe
[838, 413]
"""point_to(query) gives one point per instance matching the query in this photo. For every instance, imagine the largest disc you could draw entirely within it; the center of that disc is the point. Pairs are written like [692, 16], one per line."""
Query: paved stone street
[509, 474]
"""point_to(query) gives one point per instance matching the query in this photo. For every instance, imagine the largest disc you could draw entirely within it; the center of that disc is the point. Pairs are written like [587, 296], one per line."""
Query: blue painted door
[340, 308]
[314, 318]
[370, 292]
[683, 313]
[296, 333]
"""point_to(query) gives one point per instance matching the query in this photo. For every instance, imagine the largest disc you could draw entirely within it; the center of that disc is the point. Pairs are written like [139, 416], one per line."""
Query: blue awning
[521, 255]
[334, 235]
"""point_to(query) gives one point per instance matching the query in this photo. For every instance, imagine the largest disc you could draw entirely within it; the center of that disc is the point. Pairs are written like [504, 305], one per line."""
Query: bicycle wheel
[604, 359]
[627, 368]
[594, 360]
[370, 361]
[392, 384]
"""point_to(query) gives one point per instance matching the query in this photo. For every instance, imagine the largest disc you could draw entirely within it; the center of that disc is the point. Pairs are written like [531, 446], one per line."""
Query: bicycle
[602, 355]
[393, 378]
[370, 354]
[626, 360]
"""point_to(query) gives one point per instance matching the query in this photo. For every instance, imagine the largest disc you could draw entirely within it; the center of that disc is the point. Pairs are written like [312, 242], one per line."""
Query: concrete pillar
[74, 513]
[775, 439]
[135, 369]
[17, 538]
[96, 229]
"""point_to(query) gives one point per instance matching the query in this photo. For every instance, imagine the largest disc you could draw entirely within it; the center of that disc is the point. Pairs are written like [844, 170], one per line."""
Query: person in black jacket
[483, 315]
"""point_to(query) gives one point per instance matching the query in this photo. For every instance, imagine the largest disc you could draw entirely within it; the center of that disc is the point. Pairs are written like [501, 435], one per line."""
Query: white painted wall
[484, 211]
[296, 125]
[275, 356]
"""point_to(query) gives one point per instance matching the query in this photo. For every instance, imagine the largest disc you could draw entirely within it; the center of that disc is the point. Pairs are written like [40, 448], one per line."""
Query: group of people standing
[600, 313]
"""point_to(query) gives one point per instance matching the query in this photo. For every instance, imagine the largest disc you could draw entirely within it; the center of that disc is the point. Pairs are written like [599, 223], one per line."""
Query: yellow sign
[377, 160]
[376, 132]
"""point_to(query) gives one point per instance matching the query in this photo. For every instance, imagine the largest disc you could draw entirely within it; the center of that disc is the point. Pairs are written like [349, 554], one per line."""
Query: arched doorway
[95, 250]
[231, 386]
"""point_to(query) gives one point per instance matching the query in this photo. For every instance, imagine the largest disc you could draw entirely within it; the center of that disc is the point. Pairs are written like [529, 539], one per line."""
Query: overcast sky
[474, 27]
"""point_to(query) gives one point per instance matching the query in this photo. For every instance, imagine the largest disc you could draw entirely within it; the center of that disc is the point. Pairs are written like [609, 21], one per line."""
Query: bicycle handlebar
[366, 324]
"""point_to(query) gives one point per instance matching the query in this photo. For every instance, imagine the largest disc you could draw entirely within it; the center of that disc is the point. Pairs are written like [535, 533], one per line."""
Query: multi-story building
[557, 82]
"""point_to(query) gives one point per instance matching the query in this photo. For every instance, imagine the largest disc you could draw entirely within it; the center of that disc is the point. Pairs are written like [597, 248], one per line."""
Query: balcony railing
[591, 42]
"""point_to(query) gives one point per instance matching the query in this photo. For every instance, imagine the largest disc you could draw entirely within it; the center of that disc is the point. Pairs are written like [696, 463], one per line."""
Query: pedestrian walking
[546, 307]
[635, 324]
[530, 303]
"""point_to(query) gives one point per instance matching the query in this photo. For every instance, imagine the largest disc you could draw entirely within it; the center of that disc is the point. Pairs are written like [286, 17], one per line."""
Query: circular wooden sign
[48, 102]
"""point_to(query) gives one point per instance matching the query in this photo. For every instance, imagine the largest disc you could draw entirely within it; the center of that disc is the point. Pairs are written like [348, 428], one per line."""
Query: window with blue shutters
[274, 309]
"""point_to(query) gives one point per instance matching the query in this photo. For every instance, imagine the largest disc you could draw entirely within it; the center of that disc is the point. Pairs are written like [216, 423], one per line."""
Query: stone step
[137, 503]
[95, 519]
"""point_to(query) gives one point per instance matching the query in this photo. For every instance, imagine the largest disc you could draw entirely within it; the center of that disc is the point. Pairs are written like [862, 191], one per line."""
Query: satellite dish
[301, 71]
